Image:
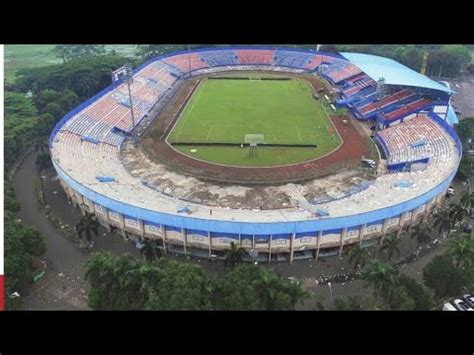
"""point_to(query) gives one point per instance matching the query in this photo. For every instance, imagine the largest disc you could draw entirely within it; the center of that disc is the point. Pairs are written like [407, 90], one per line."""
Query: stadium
[291, 153]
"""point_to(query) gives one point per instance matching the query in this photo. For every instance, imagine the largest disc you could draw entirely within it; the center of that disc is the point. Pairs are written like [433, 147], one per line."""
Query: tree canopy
[124, 283]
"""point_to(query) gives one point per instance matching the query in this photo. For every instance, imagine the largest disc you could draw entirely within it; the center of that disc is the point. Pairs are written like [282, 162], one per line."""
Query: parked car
[468, 228]
[449, 307]
[469, 299]
[450, 191]
[462, 306]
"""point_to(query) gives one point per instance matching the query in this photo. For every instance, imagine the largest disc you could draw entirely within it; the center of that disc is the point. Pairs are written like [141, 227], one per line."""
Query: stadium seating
[403, 140]
[317, 60]
[292, 59]
[187, 62]
[407, 109]
[219, 58]
[394, 98]
[257, 56]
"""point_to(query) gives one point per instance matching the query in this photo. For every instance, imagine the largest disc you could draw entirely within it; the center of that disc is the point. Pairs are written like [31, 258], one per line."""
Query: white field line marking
[208, 133]
[299, 135]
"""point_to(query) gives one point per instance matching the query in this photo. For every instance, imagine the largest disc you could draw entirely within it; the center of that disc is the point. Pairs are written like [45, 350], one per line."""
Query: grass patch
[40, 55]
[223, 111]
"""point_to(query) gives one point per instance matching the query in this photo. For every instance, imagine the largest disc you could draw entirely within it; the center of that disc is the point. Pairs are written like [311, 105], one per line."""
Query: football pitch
[283, 111]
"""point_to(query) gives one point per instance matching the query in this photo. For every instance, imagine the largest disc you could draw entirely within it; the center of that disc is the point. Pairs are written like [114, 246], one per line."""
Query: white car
[449, 307]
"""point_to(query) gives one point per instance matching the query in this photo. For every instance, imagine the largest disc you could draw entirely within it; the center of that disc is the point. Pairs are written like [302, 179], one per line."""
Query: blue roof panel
[451, 116]
[393, 72]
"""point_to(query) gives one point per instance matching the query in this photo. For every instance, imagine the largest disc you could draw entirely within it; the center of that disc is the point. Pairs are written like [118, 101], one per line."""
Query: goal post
[253, 140]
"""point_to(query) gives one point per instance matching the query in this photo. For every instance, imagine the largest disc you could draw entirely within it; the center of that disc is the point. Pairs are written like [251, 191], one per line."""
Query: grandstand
[87, 152]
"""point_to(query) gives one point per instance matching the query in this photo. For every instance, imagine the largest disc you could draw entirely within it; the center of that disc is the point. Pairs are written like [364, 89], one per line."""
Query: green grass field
[40, 55]
[284, 111]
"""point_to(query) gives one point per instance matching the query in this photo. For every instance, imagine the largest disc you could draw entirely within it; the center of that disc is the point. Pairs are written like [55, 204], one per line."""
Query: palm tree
[88, 226]
[358, 256]
[443, 222]
[151, 250]
[462, 250]
[390, 245]
[422, 232]
[381, 276]
[234, 255]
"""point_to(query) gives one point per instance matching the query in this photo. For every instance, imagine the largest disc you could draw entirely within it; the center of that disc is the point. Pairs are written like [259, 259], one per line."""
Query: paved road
[64, 286]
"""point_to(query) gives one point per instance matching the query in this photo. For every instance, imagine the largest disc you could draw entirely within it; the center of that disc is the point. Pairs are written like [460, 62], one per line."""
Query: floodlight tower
[128, 77]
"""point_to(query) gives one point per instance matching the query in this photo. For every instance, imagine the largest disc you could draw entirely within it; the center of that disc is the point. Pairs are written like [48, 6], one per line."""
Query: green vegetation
[395, 291]
[125, 283]
[443, 60]
[465, 130]
[284, 111]
[85, 76]
[41, 55]
[21, 248]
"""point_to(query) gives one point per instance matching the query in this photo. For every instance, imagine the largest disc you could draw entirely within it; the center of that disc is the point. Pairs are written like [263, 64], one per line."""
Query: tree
[110, 286]
[71, 51]
[443, 277]
[88, 226]
[422, 299]
[248, 287]
[21, 246]
[33, 241]
[234, 255]
[457, 213]
[390, 245]
[20, 125]
[151, 250]
[84, 77]
[43, 160]
[358, 256]
[423, 233]
[183, 286]
[443, 221]
[381, 276]
[461, 250]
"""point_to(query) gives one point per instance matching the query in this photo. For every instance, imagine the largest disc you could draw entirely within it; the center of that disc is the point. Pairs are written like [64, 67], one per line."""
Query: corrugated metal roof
[393, 72]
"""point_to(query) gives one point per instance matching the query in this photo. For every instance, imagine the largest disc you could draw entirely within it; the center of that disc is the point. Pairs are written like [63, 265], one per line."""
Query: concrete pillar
[141, 228]
[121, 221]
[163, 233]
[384, 231]
[106, 219]
[292, 242]
[185, 235]
[210, 243]
[318, 243]
[270, 249]
[341, 241]
[361, 233]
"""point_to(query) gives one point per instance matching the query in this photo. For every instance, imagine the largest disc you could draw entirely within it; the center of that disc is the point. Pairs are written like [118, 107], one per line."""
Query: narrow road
[63, 287]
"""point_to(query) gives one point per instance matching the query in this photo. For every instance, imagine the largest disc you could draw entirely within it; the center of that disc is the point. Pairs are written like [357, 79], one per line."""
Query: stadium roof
[393, 72]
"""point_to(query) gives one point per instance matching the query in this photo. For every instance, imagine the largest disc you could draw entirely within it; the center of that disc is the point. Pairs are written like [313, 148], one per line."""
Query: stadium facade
[414, 132]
